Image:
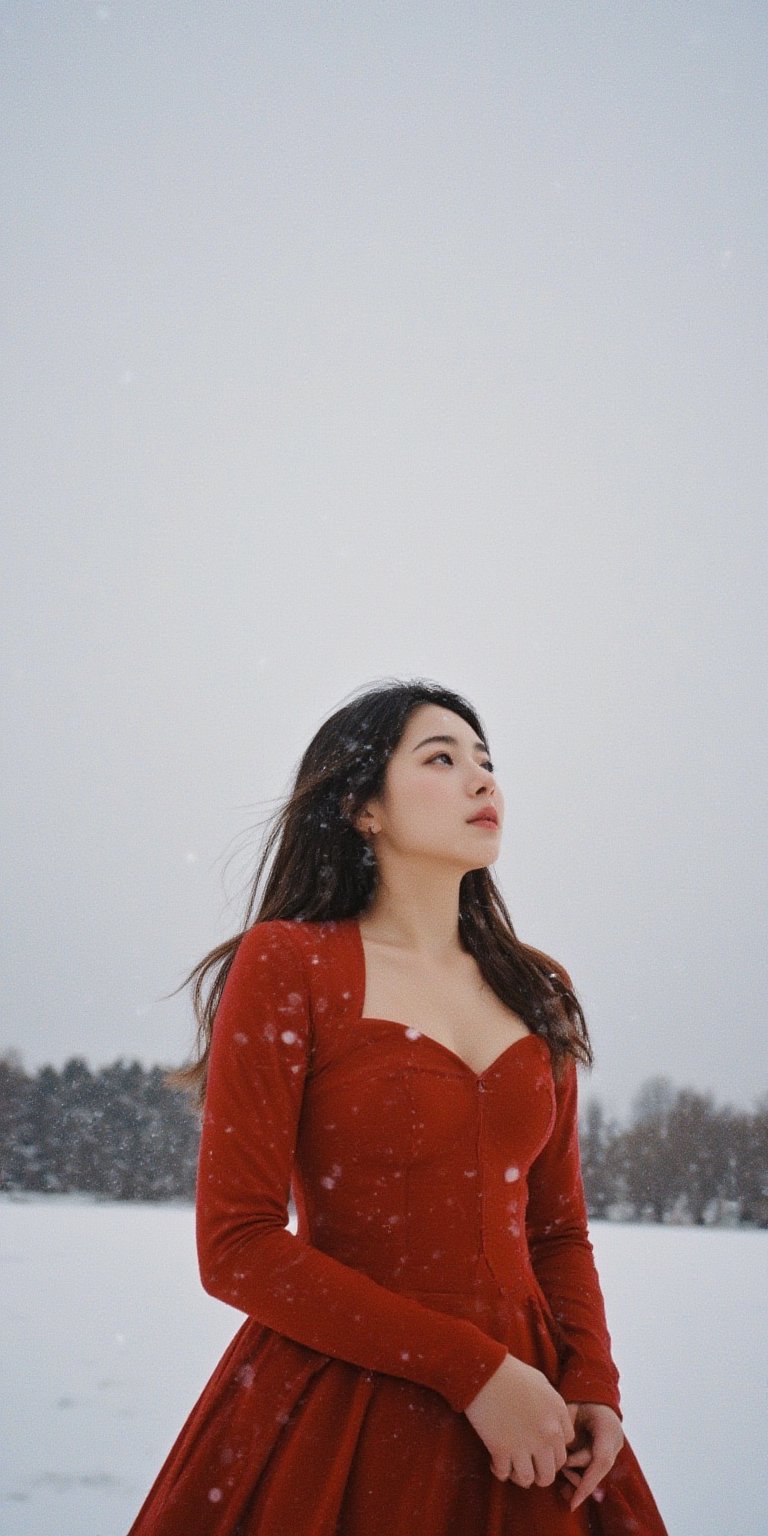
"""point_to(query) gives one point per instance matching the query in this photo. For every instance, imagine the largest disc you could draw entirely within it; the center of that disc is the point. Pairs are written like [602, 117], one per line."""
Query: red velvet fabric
[441, 1223]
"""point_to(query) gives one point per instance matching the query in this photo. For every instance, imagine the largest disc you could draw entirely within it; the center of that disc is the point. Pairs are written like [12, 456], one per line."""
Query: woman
[429, 1351]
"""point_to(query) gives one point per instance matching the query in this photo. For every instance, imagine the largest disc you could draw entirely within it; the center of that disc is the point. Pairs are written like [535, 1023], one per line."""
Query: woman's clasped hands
[599, 1438]
[532, 1434]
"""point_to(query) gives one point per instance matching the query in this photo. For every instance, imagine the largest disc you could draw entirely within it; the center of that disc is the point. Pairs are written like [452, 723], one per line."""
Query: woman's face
[432, 788]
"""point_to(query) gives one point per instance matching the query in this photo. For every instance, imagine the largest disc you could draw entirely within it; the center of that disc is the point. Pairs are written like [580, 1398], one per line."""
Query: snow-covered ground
[107, 1338]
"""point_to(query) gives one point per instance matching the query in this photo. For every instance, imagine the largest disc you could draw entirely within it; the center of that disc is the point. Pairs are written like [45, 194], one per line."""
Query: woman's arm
[260, 1054]
[563, 1258]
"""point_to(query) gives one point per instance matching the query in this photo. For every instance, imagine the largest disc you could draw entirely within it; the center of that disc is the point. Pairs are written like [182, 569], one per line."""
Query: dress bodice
[411, 1167]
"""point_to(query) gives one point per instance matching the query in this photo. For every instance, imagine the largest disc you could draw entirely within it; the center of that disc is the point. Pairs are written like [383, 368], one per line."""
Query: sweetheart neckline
[419, 1034]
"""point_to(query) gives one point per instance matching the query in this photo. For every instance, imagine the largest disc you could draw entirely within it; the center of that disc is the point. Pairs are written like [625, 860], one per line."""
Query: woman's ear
[363, 820]
[366, 821]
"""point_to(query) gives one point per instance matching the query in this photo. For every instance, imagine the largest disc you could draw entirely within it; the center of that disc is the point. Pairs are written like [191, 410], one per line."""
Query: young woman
[428, 1351]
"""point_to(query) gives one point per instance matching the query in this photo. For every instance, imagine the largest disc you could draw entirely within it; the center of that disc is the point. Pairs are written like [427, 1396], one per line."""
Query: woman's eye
[487, 764]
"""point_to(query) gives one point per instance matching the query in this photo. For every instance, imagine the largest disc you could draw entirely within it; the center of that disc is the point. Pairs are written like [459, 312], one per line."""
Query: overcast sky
[366, 340]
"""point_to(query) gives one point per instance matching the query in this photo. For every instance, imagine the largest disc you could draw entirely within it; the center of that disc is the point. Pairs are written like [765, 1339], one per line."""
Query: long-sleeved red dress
[441, 1224]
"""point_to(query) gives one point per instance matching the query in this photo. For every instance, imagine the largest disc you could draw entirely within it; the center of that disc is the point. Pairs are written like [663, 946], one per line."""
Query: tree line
[120, 1132]
[123, 1133]
[681, 1157]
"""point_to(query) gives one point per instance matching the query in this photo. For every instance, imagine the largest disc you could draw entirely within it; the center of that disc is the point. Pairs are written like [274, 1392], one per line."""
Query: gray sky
[349, 341]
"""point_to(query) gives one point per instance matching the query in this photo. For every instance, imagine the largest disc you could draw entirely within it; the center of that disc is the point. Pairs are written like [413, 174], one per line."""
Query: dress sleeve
[563, 1259]
[259, 1058]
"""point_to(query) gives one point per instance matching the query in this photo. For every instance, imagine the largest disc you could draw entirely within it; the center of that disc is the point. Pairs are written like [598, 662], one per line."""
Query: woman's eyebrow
[452, 742]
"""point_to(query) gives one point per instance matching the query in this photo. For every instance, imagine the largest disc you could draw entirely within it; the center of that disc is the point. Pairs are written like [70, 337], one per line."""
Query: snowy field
[107, 1338]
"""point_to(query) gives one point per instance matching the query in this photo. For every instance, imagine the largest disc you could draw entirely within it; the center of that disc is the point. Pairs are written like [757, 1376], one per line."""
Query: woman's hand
[524, 1422]
[599, 1438]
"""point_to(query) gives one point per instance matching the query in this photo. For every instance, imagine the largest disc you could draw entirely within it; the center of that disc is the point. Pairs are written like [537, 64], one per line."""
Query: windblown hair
[324, 869]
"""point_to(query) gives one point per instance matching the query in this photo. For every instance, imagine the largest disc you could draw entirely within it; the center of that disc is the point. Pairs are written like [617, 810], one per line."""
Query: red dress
[441, 1223]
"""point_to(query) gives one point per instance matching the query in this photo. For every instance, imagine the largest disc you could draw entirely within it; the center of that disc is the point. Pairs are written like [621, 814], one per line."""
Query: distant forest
[121, 1133]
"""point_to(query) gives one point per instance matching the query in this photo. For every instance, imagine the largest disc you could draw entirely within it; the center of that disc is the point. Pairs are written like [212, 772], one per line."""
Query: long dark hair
[324, 869]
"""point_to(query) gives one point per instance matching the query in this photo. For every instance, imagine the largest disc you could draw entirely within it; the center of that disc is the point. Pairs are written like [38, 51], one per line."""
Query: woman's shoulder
[313, 942]
[302, 929]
